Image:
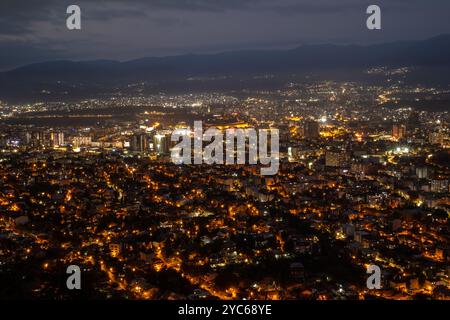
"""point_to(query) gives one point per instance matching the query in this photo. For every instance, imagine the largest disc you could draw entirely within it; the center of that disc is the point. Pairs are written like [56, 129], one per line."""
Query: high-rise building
[57, 139]
[161, 142]
[399, 131]
[422, 172]
[38, 138]
[311, 130]
[81, 141]
[28, 138]
[139, 143]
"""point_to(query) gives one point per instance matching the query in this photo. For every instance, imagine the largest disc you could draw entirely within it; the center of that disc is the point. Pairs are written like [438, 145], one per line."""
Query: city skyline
[299, 154]
[92, 184]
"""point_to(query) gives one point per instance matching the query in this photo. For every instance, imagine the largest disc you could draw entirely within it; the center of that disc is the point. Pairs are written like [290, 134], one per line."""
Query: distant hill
[67, 76]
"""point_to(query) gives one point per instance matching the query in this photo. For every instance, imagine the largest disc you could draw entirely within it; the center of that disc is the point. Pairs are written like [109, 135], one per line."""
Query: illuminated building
[138, 143]
[398, 131]
[161, 142]
[311, 130]
[57, 139]
[422, 172]
[81, 141]
[115, 249]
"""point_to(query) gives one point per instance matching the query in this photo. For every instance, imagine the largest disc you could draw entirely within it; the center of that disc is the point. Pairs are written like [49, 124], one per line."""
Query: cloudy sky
[35, 30]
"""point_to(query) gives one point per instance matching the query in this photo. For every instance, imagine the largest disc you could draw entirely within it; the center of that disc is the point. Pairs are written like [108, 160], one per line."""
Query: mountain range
[431, 56]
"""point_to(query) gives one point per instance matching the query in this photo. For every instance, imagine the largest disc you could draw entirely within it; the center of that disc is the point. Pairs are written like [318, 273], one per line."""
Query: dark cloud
[34, 30]
[13, 54]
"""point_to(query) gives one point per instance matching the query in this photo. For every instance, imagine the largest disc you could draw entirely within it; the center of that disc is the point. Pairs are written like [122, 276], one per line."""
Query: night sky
[34, 31]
